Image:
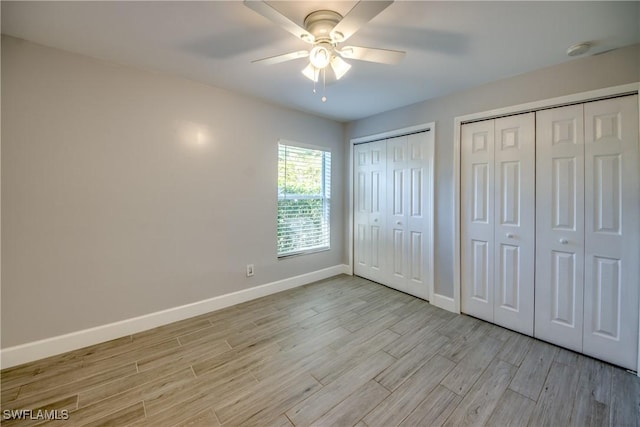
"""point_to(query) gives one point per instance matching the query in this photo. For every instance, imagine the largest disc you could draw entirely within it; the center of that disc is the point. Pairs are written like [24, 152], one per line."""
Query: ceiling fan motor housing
[320, 23]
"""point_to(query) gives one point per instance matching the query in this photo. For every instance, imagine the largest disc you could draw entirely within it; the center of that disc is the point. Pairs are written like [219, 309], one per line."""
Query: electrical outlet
[249, 270]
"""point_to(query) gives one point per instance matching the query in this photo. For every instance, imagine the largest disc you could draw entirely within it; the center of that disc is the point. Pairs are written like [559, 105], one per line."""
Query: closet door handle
[509, 236]
[398, 223]
[564, 241]
[375, 220]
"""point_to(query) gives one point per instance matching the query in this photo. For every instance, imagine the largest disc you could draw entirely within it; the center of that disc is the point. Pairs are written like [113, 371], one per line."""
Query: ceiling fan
[325, 30]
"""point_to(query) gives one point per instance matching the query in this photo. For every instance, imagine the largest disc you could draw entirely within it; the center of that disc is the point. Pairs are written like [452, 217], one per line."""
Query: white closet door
[612, 230]
[477, 221]
[514, 219]
[419, 217]
[397, 184]
[369, 206]
[393, 212]
[409, 213]
[560, 226]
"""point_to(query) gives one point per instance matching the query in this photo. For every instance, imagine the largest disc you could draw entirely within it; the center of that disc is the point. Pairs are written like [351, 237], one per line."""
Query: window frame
[325, 197]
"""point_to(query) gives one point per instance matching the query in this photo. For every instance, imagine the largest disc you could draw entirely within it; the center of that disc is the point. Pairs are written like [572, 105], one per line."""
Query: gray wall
[610, 69]
[125, 192]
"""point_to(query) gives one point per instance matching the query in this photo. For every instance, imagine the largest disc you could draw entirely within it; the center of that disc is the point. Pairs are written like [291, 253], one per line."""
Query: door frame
[431, 127]
[581, 97]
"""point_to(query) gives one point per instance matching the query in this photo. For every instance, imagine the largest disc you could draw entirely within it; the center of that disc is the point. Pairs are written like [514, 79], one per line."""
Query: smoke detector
[578, 49]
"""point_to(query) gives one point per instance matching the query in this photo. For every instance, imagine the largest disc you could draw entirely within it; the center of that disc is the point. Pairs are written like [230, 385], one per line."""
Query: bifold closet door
[498, 223]
[393, 212]
[409, 212]
[369, 210]
[477, 228]
[588, 229]
[514, 222]
[612, 230]
[560, 226]
[397, 213]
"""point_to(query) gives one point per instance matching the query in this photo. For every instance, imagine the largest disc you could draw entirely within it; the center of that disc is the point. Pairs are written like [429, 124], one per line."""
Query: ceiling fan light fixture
[339, 66]
[337, 36]
[311, 72]
[347, 52]
[320, 56]
[325, 30]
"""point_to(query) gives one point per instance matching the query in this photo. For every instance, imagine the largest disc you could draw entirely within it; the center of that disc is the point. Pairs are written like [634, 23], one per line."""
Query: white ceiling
[450, 45]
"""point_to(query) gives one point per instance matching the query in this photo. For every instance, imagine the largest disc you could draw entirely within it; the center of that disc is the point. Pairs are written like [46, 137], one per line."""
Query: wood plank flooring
[339, 352]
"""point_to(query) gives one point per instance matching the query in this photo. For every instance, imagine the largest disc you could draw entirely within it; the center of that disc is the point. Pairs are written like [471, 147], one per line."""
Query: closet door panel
[397, 192]
[419, 214]
[378, 197]
[361, 207]
[559, 271]
[477, 221]
[612, 218]
[514, 220]
[369, 206]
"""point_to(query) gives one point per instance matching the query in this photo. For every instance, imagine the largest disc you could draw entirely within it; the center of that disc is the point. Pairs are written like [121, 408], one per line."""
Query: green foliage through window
[304, 190]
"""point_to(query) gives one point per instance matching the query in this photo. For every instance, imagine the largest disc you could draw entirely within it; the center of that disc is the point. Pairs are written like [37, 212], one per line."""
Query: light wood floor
[342, 352]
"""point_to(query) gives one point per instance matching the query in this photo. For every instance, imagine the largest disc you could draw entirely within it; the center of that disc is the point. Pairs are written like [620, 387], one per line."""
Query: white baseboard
[444, 302]
[29, 352]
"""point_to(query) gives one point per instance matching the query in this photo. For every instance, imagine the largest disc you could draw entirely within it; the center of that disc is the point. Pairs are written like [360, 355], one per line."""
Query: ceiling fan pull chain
[324, 84]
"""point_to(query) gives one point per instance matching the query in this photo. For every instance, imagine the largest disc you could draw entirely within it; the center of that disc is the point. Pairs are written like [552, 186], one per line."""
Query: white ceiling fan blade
[362, 12]
[383, 56]
[276, 17]
[283, 58]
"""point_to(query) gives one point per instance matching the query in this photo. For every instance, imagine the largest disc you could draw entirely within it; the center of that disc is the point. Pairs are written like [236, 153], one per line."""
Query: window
[304, 194]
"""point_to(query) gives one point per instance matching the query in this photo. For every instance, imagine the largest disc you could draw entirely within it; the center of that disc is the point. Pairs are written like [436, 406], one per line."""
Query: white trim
[350, 177]
[29, 352]
[456, 215]
[303, 145]
[432, 204]
[575, 98]
[393, 133]
[423, 127]
[444, 302]
[516, 109]
[638, 365]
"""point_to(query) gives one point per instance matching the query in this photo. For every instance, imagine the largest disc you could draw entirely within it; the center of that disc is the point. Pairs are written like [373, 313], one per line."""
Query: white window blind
[304, 194]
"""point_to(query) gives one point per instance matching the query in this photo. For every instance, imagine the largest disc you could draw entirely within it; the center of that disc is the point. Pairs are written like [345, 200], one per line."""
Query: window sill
[310, 251]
